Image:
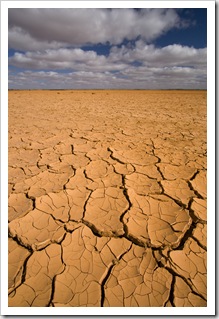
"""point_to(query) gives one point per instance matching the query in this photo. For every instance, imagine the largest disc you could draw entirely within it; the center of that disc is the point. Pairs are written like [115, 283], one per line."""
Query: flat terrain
[107, 198]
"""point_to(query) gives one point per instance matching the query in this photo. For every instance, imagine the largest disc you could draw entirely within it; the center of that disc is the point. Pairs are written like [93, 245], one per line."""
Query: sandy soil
[107, 198]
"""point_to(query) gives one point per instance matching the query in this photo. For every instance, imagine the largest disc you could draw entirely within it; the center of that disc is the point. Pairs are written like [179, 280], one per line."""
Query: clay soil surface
[107, 198]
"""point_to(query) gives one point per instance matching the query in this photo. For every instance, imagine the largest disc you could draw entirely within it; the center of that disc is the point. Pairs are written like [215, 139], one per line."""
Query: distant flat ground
[107, 198]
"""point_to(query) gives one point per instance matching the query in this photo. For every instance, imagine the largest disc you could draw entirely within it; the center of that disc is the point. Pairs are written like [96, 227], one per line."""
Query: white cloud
[171, 55]
[31, 29]
[52, 80]
[20, 39]
[118, 59]
[64, 59]
[130, 78]
[51, 40]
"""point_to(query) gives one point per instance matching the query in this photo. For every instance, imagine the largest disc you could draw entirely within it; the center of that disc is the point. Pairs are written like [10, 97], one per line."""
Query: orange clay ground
[107, 198]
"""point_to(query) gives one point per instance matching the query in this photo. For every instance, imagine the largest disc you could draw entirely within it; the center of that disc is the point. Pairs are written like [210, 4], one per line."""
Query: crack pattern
[107, 207]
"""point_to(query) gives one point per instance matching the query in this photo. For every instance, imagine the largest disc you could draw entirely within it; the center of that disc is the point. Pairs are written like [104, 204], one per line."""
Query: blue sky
[107, 48]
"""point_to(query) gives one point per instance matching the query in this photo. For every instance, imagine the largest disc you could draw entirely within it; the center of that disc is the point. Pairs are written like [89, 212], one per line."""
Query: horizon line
[96, 89]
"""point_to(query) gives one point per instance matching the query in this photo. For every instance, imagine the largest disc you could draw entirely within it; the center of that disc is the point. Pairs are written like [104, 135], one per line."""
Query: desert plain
[107, 198]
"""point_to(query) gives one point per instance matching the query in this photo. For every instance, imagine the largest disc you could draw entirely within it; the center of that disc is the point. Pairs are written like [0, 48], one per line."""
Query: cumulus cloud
[72, 80]
[118, 59]
[20, 39]
[64, 59]
[170, 55]
[131, 78]
[52, 28]
[53, 40]
[140, 66]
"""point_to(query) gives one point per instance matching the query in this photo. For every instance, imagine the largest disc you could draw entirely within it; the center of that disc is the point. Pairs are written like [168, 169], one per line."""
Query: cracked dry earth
[107, 199]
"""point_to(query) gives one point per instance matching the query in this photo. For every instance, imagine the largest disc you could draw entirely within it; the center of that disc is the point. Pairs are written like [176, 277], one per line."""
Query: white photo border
[98, 311]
